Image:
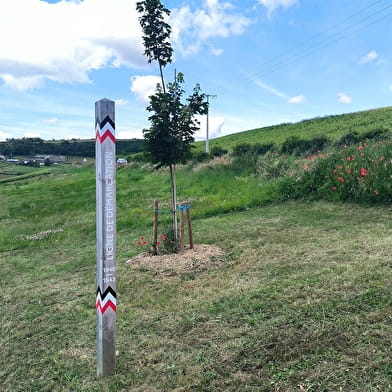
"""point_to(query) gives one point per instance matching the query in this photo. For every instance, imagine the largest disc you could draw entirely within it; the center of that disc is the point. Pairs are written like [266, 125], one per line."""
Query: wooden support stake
[105, 162]
[190, 232]
[155, 229]
[182, 228]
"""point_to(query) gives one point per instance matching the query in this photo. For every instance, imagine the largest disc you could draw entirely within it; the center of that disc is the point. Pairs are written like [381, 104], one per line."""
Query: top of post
[104, 108]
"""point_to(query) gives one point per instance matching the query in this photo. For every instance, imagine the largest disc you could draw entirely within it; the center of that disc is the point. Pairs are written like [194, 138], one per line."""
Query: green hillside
[331, 126]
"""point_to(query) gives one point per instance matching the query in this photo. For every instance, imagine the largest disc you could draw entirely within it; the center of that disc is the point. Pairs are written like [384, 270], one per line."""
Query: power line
[343, 31]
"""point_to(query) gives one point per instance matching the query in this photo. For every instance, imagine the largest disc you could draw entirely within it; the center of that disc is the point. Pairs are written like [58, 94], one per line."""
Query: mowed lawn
[300, 301]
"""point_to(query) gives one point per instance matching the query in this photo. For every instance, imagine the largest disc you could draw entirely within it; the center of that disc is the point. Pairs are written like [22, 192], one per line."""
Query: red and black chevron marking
[106, 300]
[101, 135]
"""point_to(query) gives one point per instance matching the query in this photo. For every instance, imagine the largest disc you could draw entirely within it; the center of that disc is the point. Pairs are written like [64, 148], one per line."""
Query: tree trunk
[174, 200]
[163, 80]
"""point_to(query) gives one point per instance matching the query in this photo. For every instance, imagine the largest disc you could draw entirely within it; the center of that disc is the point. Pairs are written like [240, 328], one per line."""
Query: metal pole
[208, 111]
[106, 307]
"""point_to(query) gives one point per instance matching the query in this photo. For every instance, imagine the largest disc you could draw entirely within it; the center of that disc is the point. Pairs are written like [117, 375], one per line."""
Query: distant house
[12, 160]
[53, 158]
[122, 161]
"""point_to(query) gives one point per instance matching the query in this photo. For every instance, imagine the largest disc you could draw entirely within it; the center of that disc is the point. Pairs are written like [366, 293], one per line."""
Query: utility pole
[208, 110]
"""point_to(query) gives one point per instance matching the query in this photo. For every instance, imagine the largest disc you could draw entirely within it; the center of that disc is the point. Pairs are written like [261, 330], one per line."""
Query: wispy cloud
[121, 102]
[297, 99]
[344, 98]
[266, 87]
[271, 5]
[369, 57]
[52, 120]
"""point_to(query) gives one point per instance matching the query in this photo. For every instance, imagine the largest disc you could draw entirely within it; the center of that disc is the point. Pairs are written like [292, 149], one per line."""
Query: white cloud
[66, 40]
[217, 51]
[4, 136]
[30, 135]
[344, 98]
[369, 57]
[271, 5]
[52, 120]
[215, 124]
[297, 99]
[191, 29]
[121, 102]
[144, 86]
[21, 83]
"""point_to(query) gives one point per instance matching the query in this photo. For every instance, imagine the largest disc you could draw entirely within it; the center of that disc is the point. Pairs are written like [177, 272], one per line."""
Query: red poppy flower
[163, 237]
[363, 172]
[333, 188]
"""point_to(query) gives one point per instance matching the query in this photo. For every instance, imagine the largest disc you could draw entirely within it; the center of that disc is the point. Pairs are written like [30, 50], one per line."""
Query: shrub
[348, 139]
[377, 134]
[242, 149]
[295, 145]
[200, 156]
[218, 151]
[262, 149]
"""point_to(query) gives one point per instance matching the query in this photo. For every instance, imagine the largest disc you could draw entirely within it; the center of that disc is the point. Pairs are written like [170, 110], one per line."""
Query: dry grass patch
[195, 260]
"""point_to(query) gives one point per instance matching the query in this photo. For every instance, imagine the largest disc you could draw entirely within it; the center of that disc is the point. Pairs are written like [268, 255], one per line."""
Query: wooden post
[190, 232]
[105, 162]
[155, 229]
[182, 228]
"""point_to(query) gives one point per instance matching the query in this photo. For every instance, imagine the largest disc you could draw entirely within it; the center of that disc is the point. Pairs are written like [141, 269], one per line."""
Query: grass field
[300, 301]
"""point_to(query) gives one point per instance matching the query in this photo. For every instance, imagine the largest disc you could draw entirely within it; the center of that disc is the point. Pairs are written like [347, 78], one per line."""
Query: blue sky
[268, 62]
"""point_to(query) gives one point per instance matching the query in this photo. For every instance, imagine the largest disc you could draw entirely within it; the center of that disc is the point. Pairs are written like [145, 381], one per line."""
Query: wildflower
[353, 158]
[334, 171]
[375, 192]
[340, 167]
[333, 188]
[341, 179]
[363, 172]
[345, 146]
[139, 243]
[362, 154]
[360, 148]
[382, 157]
[163, 237]
[348, 171]
[348, 159]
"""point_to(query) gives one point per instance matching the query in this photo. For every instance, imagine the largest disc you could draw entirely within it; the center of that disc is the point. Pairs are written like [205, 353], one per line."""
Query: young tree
[173, 121]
